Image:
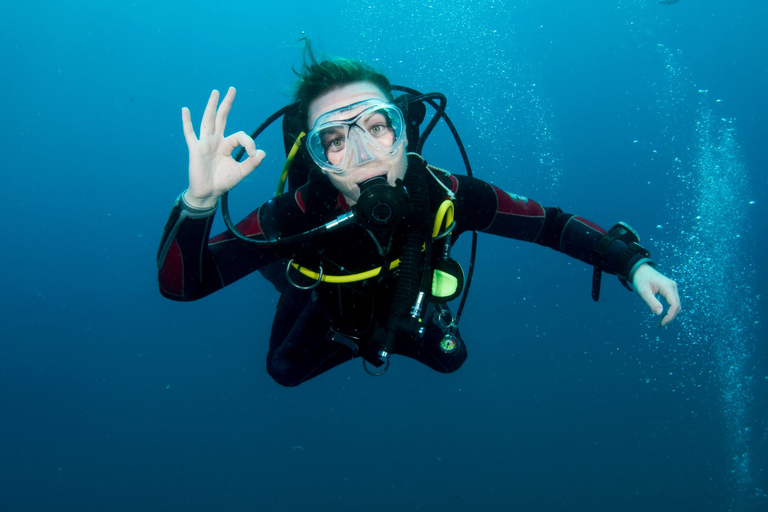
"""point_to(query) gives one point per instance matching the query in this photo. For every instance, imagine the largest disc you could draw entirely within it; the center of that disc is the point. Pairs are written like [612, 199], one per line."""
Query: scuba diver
[359, 247]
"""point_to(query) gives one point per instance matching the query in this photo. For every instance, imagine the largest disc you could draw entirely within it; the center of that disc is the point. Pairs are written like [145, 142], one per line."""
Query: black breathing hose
[412, 257]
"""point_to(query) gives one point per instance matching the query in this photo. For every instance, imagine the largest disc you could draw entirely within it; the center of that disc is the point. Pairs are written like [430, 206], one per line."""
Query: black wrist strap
[632, 253]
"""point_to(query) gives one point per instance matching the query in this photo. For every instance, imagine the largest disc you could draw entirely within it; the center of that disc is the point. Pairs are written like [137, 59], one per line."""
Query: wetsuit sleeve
[191, 266]
[483, 207]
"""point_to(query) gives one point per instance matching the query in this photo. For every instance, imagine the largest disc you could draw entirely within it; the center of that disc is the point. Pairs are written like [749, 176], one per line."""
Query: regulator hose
[412, 258]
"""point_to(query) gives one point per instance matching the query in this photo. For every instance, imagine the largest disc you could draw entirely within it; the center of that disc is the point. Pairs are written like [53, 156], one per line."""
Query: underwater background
[113, 398]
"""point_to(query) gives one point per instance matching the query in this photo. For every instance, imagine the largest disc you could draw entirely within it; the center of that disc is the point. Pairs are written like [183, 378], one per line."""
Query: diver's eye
[378, 124]
[334, 145]
[333, 140]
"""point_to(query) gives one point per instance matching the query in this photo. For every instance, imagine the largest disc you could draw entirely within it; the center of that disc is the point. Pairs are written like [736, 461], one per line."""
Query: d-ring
[380, 372]
[310, 287]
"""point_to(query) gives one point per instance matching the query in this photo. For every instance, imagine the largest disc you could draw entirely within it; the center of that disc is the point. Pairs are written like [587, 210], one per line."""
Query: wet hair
[318, 77]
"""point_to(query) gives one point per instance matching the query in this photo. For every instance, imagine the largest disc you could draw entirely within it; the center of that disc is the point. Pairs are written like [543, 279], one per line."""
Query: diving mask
[336, 142]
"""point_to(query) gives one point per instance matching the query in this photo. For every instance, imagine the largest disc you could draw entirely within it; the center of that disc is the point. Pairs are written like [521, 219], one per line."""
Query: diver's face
[392, 166]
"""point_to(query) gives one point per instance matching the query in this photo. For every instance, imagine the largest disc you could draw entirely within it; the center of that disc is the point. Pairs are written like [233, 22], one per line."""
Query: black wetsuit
[312, 329]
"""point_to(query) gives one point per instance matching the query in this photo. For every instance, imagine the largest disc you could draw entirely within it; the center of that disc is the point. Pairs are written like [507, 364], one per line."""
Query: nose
[359, 153]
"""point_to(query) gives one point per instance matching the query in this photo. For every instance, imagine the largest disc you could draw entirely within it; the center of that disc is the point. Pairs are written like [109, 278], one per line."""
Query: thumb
[650, 298]
[252, 162]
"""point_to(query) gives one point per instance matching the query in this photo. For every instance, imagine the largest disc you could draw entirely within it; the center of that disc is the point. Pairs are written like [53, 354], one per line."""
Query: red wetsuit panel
[171, 276]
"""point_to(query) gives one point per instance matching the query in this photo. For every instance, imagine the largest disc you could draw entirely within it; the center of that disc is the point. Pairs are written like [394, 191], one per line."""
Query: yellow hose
[287, 164]
[444, 213]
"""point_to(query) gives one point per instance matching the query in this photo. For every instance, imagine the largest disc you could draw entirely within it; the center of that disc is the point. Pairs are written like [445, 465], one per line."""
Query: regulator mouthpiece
[381, 206]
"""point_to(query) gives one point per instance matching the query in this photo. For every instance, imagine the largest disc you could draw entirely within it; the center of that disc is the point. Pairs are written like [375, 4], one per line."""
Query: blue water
[112, 398]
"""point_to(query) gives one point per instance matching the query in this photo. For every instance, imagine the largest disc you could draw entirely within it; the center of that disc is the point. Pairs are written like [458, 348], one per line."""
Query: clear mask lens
[337, 143]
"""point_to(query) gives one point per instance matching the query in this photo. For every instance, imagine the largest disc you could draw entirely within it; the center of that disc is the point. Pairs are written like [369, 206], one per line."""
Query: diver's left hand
[648, 283]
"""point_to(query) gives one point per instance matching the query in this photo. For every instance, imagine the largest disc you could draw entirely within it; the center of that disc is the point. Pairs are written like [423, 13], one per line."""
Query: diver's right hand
[212, 170]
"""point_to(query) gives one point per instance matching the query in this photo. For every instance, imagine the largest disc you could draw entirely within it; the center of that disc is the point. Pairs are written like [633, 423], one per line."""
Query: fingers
[255, 156]
[673, 299]
[214, 119]
[223, 112]
[648, 283]
[667, 289]
[253, 161]
[186, 125]
[208, 124]
[646, 293]
[242, 139]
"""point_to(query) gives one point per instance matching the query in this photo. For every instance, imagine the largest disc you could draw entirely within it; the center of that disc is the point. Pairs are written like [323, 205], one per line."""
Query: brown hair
[318, 77]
